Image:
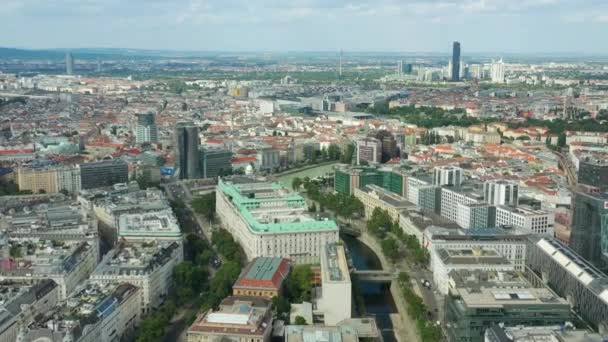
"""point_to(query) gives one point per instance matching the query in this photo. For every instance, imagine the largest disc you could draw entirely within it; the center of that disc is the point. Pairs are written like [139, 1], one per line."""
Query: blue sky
[519, 26]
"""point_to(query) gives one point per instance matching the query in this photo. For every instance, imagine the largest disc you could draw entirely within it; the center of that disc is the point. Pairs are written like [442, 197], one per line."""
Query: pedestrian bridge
[380, 276]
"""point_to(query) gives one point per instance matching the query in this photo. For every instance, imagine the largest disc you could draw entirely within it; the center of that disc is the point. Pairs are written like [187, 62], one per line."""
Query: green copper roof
[244, 203]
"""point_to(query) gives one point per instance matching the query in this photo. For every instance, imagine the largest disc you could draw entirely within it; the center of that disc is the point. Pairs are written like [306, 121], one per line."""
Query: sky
[509, 26]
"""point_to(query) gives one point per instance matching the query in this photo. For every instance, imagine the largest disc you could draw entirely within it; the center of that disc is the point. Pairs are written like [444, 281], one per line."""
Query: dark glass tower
[186, 150]
[590, 228]
[456, 62]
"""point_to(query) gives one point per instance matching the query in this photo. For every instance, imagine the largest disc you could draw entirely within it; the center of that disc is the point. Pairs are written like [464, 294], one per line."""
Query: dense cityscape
[340, 196]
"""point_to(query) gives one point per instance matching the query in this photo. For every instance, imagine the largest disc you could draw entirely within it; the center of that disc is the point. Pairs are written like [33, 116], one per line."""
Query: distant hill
[83, 54]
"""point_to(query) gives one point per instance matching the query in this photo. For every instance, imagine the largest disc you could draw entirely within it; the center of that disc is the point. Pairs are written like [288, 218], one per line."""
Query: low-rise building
[262, 277]
[373, 196]
[306, 333]
[147, 265]
[22, 303]
[496, 333]
[237, 319]
[68, 263]
[477, 301]
[512, 247]
[268, 220]
[525, 220]
[104, 313]
[446, 260]
[335, 301]
[149, 226]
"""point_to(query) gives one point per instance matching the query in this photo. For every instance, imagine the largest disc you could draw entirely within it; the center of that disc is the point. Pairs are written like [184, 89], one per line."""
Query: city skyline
[530, 26]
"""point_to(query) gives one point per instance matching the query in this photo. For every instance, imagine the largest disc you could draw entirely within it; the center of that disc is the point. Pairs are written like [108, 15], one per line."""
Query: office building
[215, 162]
[512, 247]
[446, 260]
[452, 197]
[369, 150]
[448, 175]
[572, 277]
[186, 150]
[501, 192]
[373, 196]
[593, 172]
[60, 221]
[69, 64]
[497, 71]
[268, 220]
[309, 333]
[149, 226]
[262, 277]
[49, 179]
[480, 300]
[422, 193]
[475, 215]
[103, 173]
[347, 179]
[335, 302]
[455, 71]
[556, 333]
[268, 158]
[21, 303]
[237, 319]
[68, 263]
[589, 237]
[146, 131]
[525, 220]
[103, 313]
[148, 265]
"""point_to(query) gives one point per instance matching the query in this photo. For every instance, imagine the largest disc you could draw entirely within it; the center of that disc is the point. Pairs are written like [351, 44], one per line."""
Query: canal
[377, 296]
[311, 173]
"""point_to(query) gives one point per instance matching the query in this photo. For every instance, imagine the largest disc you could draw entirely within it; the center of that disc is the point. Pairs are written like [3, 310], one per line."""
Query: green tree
[390, 248]
[205, 205]
[347, 157]
[296, 183]
[298, 284]
[15, 252]
[281, 306]
[300, 320]
[561, 140]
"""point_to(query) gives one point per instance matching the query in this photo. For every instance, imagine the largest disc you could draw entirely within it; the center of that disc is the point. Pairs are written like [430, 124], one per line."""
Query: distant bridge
[350, 230]
[379, 276]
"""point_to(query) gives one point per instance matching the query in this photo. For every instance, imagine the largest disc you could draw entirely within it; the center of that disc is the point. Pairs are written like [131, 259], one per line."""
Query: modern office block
[215, 162]
[187, 151]
[146, 130]
[589, 237]
[501, 192]
[103, 173]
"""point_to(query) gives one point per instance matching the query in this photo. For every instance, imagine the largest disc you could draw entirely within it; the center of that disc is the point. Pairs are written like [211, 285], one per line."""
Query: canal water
[310, 173]
[377, 296]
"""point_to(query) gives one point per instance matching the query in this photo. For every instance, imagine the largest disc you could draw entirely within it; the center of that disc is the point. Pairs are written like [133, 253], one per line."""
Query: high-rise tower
[456, 62]
[147, 132]
[69, 64]
[186, 150]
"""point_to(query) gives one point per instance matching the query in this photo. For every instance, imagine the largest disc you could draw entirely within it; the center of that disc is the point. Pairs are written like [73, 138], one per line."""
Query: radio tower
[340, 64]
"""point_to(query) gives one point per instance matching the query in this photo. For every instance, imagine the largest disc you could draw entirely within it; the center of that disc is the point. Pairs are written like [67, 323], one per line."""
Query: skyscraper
[69, 64]
[456, 62]
[147, 132]
[497, 71]
[186, 150]
[590, 228]
[215, 162]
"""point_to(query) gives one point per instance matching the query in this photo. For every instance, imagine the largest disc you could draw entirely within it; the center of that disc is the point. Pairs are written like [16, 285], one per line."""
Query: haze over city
[303, 171]
[519, 26]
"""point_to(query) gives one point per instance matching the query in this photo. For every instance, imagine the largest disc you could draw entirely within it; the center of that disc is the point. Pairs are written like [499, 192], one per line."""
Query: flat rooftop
[270, 208]
[264, 272]
[334, 265]
[387, 196]
[472, 256]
